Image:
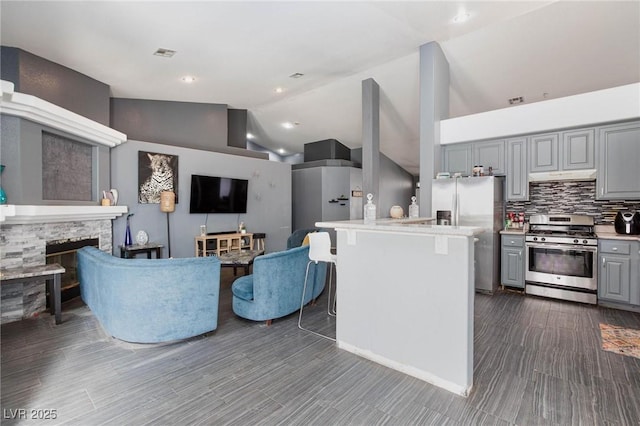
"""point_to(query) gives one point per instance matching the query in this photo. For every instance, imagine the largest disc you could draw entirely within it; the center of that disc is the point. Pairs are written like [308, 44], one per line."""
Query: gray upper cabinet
[456, 158]
[578, 149]
[490, 154]
[543, 153]
[618, 148]
[517, 177]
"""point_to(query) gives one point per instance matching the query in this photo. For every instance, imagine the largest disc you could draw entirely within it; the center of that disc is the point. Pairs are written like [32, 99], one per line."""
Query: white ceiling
[239, 52]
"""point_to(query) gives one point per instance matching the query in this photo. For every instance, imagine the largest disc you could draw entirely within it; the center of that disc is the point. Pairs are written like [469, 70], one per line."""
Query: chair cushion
[243, 287]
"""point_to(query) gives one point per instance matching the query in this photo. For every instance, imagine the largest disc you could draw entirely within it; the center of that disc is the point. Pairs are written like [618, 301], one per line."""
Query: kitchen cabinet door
[517, 175]
[614, 281]
[543, 153]
[490, 154]
[578, 149]
[618, 148]
[512, 261]
[456, 158]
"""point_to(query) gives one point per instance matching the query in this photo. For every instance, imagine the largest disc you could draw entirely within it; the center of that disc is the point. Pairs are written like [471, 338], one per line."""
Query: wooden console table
[50, 273]
[216, 244]
[131, 251]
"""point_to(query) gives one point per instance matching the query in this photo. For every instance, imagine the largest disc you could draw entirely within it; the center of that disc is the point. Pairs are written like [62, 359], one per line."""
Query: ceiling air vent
[165, 53]
[296, 75]
[516, 100]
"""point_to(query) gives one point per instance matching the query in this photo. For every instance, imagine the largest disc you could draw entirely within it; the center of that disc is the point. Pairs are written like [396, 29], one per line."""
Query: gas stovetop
[562, 229]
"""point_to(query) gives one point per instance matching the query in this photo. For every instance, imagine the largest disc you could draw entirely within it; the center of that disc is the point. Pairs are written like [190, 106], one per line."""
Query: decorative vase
[127, 235]
[3, 195]
[396, 212]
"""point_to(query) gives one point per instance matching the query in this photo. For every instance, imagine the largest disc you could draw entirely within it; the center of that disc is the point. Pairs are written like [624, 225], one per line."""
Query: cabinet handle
[520, 254]
[602, 190]
[604, 263]
[615, 249]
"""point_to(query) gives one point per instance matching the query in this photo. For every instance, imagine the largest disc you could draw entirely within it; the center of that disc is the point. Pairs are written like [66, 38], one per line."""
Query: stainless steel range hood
[564, 175]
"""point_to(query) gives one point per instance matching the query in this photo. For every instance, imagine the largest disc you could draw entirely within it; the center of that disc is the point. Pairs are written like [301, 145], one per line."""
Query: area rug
[624, 341]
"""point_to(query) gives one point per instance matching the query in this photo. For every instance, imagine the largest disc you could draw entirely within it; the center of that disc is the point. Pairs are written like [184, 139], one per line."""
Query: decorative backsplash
[570, 198]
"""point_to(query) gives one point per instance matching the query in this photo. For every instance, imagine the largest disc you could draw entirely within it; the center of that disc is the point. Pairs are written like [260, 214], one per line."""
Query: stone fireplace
[24, 240]
[34, 132]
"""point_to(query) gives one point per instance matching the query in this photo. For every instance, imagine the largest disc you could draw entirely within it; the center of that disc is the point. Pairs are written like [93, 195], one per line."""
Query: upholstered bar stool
[319, 251]
[258, 241]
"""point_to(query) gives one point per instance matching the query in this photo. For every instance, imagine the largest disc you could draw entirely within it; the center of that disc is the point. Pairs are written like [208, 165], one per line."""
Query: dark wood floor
[537, 362]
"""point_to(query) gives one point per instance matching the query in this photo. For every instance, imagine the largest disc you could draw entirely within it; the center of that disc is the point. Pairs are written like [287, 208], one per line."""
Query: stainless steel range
[561, 256]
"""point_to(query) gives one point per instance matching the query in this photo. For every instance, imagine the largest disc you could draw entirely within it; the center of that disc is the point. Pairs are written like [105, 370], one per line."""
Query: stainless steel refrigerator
[474, 201]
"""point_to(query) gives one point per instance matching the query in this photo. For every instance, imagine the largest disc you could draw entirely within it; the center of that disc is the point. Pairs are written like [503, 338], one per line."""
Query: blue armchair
[274, 289]
[150, 300]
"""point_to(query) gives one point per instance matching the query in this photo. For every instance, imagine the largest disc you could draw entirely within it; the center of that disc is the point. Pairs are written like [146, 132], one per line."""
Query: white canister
[396, 212]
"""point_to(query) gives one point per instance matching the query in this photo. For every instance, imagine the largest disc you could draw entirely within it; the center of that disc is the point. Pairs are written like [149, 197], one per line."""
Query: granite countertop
[608, 232]
[513, 231]
[415, 226]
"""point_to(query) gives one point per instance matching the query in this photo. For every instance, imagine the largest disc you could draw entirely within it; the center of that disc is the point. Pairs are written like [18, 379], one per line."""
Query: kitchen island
[405, 294]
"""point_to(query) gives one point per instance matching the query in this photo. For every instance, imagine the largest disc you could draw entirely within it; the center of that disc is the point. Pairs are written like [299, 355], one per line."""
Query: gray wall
[184, 124]
[166, 121]
[55, 83]
[268, 204]
[21, 153]
[396, 184]
[237, 127]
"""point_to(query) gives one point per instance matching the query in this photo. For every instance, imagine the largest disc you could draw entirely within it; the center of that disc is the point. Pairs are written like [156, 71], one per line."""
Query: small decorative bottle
[369, 210]
[414, 208]
[3, 195]
[127, 235]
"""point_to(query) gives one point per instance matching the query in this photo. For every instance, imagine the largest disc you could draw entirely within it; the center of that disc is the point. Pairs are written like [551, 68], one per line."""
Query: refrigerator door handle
[457, 210]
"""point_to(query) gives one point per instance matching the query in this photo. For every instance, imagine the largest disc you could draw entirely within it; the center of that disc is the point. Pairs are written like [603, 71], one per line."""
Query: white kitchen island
[405, 294]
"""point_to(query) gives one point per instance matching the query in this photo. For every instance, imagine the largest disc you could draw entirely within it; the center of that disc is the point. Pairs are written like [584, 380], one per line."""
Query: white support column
[371, 139]
[434, 107]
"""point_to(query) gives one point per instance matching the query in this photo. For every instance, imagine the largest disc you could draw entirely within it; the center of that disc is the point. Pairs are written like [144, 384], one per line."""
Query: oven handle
[563, 247]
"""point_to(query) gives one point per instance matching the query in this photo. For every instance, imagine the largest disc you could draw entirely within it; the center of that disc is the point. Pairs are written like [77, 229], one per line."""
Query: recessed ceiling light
[165, 53]
[281, 151]
[250, 136]
[287, 125]
[278, 90]
[461, 17]
[188, 79]
[296, 75]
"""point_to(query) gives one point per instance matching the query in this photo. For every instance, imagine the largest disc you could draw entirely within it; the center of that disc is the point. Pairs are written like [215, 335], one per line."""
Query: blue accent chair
[150, 300]
[297, 237]
[274, 290]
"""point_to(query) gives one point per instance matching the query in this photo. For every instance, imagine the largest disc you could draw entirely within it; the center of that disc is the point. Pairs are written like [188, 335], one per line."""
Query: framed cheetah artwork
[156, 173]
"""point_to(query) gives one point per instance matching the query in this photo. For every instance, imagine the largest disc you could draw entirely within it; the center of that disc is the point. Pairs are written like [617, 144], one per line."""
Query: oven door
[563, 265]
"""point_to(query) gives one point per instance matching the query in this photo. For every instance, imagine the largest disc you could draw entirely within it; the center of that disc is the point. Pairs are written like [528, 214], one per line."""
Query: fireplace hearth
[63, 252]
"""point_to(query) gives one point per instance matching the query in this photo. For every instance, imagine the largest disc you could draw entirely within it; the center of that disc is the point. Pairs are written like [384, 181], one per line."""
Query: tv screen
[210, 194]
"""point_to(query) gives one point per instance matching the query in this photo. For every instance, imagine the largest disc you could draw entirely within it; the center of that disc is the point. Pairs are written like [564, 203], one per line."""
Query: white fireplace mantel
[40, 111]
[21, 214]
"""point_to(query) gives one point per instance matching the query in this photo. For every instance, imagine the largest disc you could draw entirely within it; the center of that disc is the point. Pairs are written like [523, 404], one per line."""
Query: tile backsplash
[570, 198]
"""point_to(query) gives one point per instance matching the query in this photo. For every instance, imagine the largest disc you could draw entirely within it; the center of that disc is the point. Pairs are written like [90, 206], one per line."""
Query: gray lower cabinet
[543, 153]
[618, 271]
[512, 260]
[517, 175]
[618, 148]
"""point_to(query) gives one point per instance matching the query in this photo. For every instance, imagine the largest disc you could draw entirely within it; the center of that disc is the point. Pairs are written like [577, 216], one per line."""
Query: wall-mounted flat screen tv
[211, 194]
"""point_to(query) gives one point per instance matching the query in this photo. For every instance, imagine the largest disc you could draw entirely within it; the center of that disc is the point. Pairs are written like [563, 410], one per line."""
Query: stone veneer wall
[570, 198]
[25, 245]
